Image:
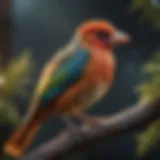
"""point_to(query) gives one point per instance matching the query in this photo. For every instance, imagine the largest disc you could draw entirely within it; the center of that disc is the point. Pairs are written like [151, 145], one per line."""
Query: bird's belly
[89, 98]
[80, 99]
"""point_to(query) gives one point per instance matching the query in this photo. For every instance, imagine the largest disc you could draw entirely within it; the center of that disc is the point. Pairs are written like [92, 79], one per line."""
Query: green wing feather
[68, 73]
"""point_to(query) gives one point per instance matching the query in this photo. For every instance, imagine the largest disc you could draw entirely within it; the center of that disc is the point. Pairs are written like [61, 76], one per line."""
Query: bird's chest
[97, 92]
[85, 100]
[103, 65]
[101, 73]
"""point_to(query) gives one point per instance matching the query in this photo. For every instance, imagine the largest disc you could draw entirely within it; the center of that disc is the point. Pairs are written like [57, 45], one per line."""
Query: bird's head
[101, 34]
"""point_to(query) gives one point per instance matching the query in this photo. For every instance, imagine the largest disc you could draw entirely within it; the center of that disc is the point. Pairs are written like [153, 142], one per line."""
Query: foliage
[150, 10]
[148, 91]
[8, 113]
[16, 76]
[13, 80]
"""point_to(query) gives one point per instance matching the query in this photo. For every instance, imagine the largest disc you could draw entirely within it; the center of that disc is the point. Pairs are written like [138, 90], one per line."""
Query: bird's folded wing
[66, 74]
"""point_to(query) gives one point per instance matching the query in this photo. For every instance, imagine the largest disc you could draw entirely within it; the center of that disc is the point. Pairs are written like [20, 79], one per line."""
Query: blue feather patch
[68, 73]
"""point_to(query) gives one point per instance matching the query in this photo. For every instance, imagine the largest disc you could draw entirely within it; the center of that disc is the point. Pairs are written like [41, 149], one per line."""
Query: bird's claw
[76, 136]
[74, 129]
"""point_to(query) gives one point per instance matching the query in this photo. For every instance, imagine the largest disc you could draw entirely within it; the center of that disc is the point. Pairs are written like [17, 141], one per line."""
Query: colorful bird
[74, 79]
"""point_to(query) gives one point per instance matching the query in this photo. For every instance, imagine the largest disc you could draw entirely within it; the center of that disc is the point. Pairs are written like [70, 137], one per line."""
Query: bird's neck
[99, 49]
[95, 49]
[77, 43]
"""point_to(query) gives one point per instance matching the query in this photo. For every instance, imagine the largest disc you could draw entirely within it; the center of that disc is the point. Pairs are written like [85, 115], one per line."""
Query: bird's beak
[119, 38]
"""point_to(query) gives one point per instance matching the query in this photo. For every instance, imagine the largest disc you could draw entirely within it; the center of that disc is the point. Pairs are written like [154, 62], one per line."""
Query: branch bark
[134, 118]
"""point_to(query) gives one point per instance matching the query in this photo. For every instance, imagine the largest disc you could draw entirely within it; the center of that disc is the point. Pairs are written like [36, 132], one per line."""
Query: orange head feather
[101, 33]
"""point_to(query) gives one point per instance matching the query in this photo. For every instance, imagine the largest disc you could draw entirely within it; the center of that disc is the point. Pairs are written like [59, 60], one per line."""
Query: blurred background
[32, 30]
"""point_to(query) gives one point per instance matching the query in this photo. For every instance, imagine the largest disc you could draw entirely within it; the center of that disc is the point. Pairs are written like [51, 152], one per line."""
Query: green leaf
[152, 67]
[148, 91]
[149, 12]
[137, 4]
[148, 139]
[8, 113]
[17, 75]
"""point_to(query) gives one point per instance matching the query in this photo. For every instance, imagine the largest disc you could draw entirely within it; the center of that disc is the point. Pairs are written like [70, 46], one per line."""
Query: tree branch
[134, 118]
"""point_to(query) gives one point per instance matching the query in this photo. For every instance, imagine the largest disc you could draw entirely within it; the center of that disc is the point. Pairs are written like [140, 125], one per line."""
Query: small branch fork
[132, 119]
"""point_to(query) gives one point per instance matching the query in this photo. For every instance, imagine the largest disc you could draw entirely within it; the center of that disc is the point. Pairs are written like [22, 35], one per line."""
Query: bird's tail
[21, 139]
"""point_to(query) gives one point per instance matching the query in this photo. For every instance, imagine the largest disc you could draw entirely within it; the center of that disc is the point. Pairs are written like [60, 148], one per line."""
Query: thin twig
[134, 118]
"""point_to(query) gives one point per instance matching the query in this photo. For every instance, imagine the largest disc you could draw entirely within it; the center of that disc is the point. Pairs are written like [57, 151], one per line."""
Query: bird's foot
[74, 128]
[88, 120]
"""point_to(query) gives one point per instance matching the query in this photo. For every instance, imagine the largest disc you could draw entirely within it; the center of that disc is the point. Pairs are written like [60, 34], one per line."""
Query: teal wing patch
[68, 73]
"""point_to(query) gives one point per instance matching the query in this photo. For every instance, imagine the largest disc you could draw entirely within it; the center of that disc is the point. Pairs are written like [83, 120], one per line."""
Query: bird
[75, 78]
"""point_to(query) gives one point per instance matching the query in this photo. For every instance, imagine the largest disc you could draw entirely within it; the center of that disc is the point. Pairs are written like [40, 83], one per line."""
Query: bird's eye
[102, 35]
